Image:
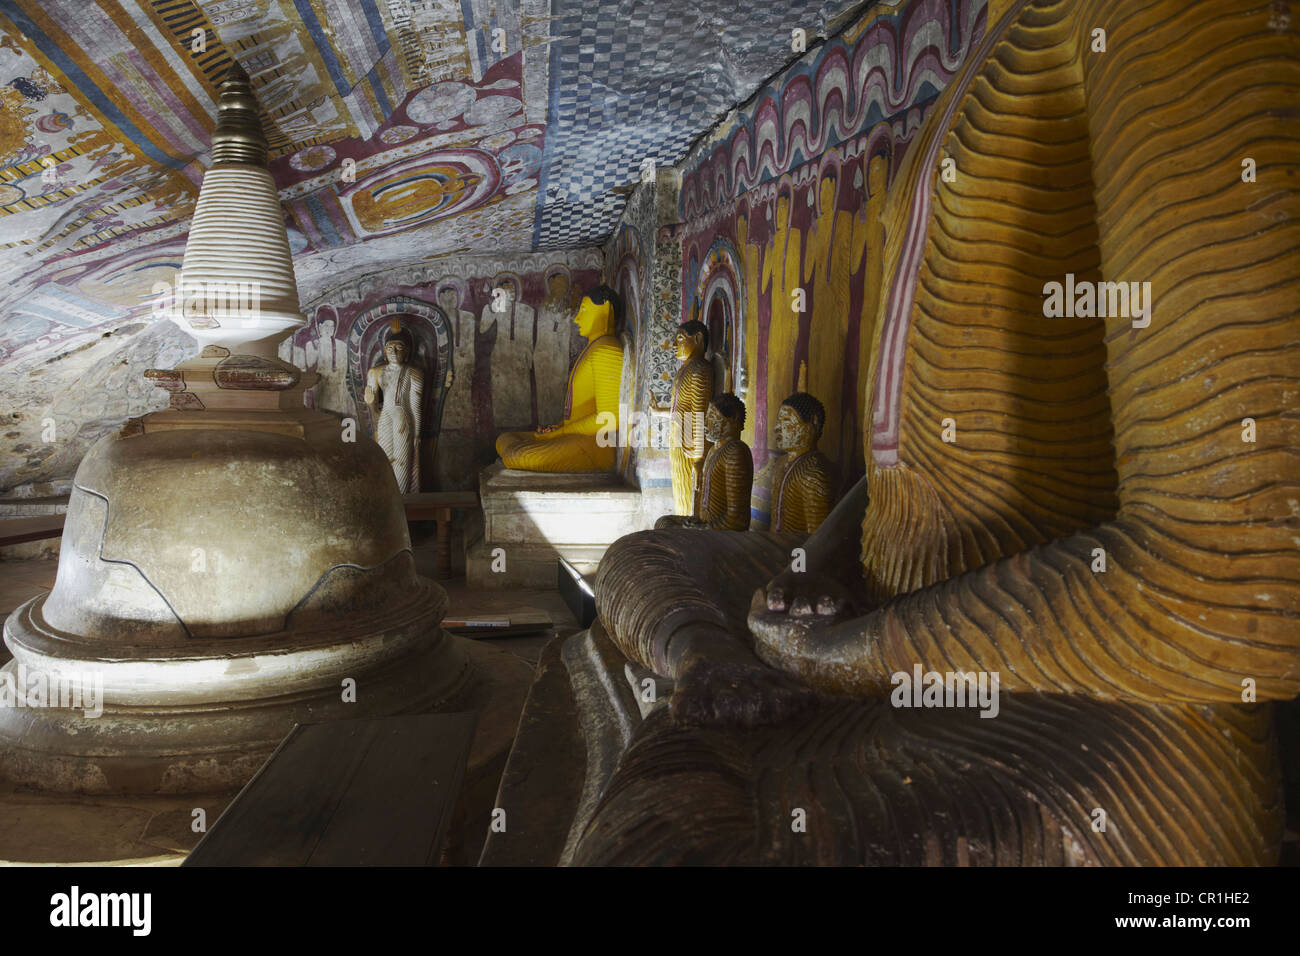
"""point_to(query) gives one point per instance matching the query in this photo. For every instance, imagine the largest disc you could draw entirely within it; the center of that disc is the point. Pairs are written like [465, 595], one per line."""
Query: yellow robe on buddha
[587, 439]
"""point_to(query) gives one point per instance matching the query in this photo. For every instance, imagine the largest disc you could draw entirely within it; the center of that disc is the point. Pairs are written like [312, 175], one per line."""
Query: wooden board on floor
[428, 505]
[370, 792]
[488, 624]
[18, 530]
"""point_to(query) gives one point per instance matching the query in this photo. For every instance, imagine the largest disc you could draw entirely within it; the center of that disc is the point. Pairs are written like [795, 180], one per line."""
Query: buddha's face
[686, 345]
[877, 173]
[718, 427]
[558, 285]
[592, 319]
[447, 299]
[827, 196]
[395, 352]
[792, 432]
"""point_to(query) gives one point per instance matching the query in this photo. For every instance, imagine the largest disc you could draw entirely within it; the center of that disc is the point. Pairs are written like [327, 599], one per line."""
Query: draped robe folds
[398, 427]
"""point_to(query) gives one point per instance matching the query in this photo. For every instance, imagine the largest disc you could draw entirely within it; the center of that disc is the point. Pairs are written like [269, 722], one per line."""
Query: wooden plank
[454, 499]
[276, 820]
[433, 505]
[542, 784]
[18, 530]
[374, 792]
[401, 801]
[513, 624]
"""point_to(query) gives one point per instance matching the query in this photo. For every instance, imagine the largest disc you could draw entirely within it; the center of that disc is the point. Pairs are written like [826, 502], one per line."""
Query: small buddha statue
[583, 441]
[692, 389]
[394, 391]
[727, 475]
[802, 481]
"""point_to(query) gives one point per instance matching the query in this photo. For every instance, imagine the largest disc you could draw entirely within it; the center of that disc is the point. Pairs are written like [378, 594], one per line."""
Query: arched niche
[719, 304]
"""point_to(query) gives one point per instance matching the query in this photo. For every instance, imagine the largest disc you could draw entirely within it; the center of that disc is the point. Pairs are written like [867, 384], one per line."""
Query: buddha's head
[398, 344]
[877, 174]
[558, 285]
[799, 423]
[449, 300]
[597, 314]
[725, 418]
[691, 340]
[826, 195]
[782, 213]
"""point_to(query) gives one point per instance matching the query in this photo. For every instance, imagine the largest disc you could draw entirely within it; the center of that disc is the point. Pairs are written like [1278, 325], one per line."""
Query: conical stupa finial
[238, 137]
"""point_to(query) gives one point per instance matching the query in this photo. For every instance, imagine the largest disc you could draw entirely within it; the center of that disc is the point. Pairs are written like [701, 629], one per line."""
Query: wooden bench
[438, 506]
[378, 791]
[18, 530]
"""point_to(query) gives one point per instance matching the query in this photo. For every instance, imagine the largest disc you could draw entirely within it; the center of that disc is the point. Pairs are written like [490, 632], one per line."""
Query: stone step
[537, 518]
[543, 509]
[527, 565]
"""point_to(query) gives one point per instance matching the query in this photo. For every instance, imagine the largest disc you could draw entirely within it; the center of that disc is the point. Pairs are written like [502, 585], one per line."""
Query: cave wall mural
[478, 404]
[780, 213]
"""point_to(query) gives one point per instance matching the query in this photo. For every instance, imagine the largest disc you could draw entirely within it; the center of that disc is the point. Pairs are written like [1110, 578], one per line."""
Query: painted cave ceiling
[401, 130]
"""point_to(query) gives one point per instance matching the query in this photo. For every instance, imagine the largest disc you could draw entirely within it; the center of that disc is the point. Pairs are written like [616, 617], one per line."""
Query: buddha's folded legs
[656, 590]
[1053, 780]
[566, 453]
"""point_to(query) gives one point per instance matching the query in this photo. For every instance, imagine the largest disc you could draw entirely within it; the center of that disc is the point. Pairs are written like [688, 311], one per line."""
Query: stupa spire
[239, 137]
[237, 287]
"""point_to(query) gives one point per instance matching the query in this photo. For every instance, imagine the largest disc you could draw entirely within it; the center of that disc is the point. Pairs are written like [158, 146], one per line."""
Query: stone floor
[39, 828]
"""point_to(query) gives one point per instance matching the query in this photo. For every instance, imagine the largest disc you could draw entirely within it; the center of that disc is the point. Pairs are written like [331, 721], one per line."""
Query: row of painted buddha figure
[712, 468]
[721, 490]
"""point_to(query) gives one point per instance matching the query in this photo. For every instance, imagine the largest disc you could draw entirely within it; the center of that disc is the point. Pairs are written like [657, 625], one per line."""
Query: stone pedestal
[536, 518]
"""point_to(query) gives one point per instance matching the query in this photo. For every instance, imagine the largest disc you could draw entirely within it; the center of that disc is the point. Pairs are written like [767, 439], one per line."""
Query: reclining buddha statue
[1107, 528]
[585, 440]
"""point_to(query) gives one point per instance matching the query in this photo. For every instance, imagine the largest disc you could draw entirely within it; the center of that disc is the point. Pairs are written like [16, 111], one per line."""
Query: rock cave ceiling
[400, 130]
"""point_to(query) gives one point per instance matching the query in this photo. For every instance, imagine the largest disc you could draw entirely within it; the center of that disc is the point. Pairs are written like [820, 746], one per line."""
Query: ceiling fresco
[400, 130]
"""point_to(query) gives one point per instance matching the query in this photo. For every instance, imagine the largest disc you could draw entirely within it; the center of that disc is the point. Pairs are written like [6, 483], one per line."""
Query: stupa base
[43, 827]
[205, 716]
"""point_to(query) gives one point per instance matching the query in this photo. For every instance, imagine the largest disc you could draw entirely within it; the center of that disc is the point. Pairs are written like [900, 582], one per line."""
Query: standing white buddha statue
[394, 393]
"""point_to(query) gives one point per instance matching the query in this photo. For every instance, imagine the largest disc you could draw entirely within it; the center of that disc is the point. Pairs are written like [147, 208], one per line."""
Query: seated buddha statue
[585, 440]
[692, 389]
[728, 474]
[802, 479]
[1101, 536]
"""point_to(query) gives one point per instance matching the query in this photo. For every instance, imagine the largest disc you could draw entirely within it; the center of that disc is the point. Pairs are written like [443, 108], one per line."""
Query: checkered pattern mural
[641, 79]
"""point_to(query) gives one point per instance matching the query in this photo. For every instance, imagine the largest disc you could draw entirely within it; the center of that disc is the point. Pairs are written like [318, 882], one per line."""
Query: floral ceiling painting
[417, 129]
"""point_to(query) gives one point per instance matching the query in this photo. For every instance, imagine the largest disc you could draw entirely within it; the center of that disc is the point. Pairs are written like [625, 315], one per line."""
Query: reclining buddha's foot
[809, 595]
[737, 694]
[814, 633]
[794, 608]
